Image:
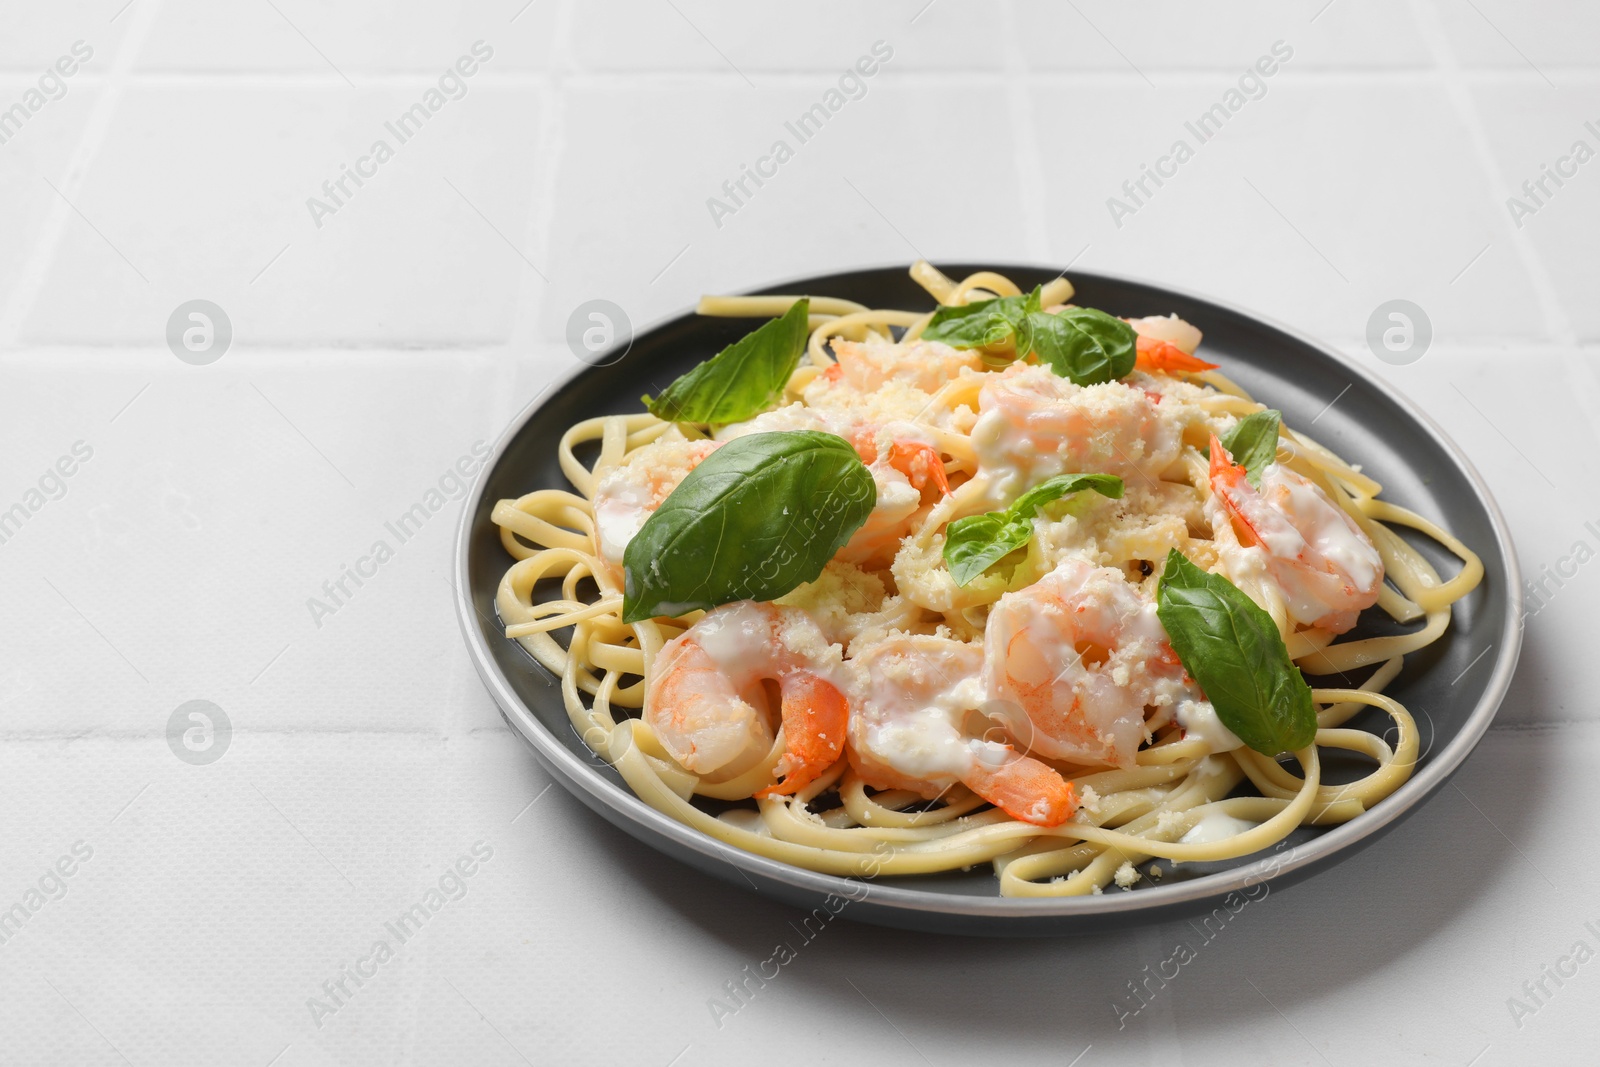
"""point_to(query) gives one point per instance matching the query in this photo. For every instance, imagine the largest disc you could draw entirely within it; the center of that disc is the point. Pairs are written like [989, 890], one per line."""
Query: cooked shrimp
[909, 475]
[924, 365]
[1327, 568]
[1168, 329]
[1075, 661]
[1166, 345]
[1034, 425]
[911, 695]
[628, 493]
[707, 696]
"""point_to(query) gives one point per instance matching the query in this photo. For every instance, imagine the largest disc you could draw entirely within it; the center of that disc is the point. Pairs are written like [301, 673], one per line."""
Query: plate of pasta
[988, 600]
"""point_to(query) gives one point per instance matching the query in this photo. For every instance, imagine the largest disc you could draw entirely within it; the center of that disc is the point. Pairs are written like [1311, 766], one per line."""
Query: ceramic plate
[1459, 680]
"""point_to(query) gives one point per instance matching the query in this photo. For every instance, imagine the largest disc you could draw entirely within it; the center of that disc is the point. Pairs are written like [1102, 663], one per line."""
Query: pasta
[952, 434]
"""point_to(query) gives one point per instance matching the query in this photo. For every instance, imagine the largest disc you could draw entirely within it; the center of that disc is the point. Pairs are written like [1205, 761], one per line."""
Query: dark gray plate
[1392, 441]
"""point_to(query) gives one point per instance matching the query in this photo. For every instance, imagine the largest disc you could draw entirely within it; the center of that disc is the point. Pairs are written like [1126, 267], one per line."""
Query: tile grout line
[1456, 89]
[539, 230]
[802, 77]
[1457, 82]
[96, 127]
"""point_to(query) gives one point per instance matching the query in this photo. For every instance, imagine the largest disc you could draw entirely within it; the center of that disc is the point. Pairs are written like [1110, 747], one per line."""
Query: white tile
[1531, 39]
[345, 40]
[205, 193]
[1529, 443]
[1530, 127]
[1251, 216]
[220, 502]
[1100, 35]
[275, 865]
[34, 157]
[37, 35]
[620, 227]
[742, 40]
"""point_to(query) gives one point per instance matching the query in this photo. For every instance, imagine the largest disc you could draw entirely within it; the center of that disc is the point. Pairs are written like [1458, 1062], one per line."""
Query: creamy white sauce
[1199, 719]
[1327, 529]
[913, 706]
[895, 494]
[1310, 550]
[1215, 826]
[921, 743]
[789, 417]
[619, 515]
[737, 637]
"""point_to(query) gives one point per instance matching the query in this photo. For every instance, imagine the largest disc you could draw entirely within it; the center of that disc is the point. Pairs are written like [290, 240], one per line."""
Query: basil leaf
[1233, 649]
[1083, 345]
[757, 517]
[1061, 485]
[743, 379]
[1254, 443]
[987, 323]
[974, 544]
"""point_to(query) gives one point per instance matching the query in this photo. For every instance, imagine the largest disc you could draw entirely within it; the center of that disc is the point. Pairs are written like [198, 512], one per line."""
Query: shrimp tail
[815, 721]
[1163, 357]
[1024, 788]
[921, 465]
[1222, 464]
[1226, 476]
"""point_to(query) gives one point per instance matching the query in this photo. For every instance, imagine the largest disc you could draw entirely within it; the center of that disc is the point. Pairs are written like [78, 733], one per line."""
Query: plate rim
[576, 773]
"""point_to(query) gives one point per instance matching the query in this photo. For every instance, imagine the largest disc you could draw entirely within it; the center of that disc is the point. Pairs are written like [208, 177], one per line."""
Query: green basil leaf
[1083, 345]
[743, 379]
[1254, 443]
[1233, 649]
[756, 518]
[1033, 301]
[985, 323]
[1062, 485]
[974, 544]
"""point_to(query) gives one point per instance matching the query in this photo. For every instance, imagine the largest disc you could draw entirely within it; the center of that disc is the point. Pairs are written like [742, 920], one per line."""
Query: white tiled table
[374, 350]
